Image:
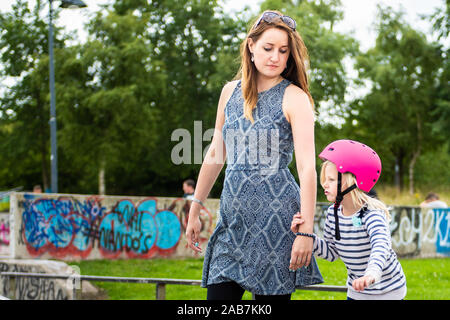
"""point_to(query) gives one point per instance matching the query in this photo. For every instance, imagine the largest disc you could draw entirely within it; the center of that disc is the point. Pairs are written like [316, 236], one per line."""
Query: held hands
[302, 248]
[361, 283]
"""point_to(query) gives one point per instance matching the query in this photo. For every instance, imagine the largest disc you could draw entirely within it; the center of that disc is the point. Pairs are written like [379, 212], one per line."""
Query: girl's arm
[380, 243]
[210, 169]
[299, 113]
[325, 248]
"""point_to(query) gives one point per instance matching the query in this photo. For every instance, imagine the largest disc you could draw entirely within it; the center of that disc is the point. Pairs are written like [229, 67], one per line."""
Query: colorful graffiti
[420, 232]
[442, 218]
[70, 227]
[93, 227]
[4, 233]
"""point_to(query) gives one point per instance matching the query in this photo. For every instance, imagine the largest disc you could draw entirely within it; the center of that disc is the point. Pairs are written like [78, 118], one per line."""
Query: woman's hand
[361, 283]
[193, 228]
[301, 252]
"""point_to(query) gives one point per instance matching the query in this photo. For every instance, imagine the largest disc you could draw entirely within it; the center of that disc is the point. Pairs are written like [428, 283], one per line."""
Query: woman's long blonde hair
[359, 197]
[297, 64]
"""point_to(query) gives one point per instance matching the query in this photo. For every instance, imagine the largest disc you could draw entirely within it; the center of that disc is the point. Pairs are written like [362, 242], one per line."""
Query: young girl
[356, 226]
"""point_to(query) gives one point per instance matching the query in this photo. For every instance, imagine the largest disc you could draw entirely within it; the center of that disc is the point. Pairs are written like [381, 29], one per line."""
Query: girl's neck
[348, 206]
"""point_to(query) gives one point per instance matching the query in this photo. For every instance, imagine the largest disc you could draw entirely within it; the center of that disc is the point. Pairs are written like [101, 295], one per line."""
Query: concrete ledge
[40, 288]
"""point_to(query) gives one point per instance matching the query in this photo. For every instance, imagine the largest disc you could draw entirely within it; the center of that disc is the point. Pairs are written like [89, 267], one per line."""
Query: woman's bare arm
[299, 113]
[211, 167]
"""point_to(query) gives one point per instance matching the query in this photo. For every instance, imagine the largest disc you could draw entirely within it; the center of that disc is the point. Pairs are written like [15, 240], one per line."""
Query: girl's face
[329, 183]
[270, 52]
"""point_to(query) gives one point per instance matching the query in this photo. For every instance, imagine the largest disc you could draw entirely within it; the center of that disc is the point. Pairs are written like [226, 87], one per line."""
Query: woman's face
[271, 52]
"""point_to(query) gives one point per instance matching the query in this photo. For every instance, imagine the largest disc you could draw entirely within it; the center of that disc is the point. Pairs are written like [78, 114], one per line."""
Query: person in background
[432, 201]
[188, 189]
[37, 189]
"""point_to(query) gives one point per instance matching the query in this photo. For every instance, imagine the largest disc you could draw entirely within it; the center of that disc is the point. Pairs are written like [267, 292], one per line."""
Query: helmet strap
[339, 197]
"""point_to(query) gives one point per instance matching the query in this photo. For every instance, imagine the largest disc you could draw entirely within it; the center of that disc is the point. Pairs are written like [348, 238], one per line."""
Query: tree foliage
[24, 107]
[396, 115]
[149, 68]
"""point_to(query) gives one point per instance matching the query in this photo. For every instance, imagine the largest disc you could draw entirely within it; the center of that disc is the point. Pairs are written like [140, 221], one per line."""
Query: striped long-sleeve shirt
[365, 248]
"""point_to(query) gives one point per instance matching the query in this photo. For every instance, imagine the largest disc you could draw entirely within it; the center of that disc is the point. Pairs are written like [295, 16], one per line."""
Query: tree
[198, 45]
[153, 68]
[441, 27]
[145, 70]
[109, 119]
[395, 117]
[24, 107]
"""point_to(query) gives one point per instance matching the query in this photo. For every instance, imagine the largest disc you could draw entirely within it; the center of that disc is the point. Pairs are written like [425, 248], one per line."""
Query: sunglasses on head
[270, 16]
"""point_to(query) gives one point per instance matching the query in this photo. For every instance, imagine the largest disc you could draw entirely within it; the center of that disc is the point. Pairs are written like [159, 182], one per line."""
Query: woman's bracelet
[198, 201]
[311, 235]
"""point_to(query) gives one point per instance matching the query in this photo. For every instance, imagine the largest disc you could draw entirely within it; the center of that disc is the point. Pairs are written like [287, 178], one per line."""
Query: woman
[268, 111]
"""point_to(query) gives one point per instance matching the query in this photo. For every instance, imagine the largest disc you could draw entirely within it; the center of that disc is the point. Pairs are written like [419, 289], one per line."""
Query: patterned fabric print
[252, 242]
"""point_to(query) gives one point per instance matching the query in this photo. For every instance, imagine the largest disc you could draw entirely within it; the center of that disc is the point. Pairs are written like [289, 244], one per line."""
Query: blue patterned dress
[252, 241]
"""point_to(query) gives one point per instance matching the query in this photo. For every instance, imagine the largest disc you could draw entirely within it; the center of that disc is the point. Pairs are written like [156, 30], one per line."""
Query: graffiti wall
[418, 232]
[92, 227]
[110, 227]
[4, 233]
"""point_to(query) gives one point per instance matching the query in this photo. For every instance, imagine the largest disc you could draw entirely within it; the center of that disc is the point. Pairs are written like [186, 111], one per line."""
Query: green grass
[391, 196]
[427, 279]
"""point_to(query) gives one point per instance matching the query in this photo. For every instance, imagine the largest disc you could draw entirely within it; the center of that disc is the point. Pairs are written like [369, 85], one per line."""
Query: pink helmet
[357, 158]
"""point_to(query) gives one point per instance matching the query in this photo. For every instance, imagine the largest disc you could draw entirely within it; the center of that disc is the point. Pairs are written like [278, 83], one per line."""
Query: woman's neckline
[261, 92]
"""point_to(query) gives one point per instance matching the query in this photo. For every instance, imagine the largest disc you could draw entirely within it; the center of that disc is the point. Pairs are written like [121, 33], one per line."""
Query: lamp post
[53, 142]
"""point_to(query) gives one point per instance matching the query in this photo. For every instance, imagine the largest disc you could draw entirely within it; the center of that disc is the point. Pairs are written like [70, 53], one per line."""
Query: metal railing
[160, 282]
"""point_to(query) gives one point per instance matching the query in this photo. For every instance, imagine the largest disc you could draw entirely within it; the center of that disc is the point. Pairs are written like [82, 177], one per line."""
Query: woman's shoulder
[227, 92]
[296, 101]
[295, 92]
[230, 86]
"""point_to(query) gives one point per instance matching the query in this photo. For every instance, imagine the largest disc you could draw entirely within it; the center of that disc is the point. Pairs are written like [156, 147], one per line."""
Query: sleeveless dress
[251, 244]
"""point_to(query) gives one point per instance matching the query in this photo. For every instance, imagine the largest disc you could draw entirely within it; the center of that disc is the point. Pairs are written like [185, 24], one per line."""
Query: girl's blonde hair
[359, 197]
[297, 64]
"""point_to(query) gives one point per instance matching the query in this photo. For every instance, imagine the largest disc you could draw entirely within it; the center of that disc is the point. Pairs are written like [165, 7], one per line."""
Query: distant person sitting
[188, 189]
[37, 189]
[432, 201]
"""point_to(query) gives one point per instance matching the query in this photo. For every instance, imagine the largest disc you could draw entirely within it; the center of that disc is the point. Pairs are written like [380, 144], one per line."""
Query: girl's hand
[301, 252]
[193, 230]
[296, 222]
[361, 283]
